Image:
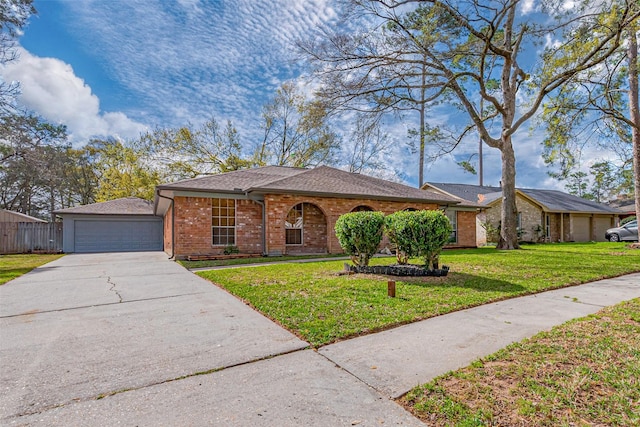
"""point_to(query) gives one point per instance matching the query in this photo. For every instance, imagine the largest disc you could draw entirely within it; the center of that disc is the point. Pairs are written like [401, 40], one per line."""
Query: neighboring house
[10, 216]
[627, 207]
[281, 210]
[121, 225]
[21, 233]
[543, 215]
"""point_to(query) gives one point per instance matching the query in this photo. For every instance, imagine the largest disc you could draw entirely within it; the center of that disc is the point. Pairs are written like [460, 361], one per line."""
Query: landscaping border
[397, 270]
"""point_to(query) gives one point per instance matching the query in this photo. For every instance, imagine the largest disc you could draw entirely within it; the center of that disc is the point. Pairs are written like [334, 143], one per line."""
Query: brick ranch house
[278, 210]
[543, 215]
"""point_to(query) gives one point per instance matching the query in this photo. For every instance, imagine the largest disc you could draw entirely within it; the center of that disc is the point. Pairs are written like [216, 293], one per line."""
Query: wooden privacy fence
[25, 237]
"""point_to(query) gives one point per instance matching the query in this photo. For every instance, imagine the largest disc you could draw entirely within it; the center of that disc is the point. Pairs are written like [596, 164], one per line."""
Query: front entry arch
[305, 230]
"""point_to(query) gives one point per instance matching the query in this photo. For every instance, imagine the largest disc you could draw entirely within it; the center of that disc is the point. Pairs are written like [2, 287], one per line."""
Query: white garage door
[117, 235]
[581, 228]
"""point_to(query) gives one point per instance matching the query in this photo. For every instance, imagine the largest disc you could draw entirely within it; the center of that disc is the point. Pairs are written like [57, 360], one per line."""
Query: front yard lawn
[583, 373]
[321, 306]
[12, 266]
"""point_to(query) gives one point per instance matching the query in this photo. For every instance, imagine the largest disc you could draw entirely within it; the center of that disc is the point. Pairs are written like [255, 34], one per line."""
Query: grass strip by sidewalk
[321, 306]
[12, 266]
[583, 373]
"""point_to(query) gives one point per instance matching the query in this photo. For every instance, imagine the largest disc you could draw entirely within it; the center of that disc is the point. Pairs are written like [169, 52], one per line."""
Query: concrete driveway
[135, 339]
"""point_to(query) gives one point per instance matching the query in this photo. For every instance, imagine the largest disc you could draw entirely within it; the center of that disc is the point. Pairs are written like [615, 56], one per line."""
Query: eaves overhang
[266, 190]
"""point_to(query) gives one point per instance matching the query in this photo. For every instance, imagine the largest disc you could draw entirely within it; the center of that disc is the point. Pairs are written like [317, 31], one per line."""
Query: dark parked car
[629, 231]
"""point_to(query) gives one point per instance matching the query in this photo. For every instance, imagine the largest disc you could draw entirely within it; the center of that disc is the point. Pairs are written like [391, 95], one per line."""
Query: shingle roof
[124, 206]
[322, 180]
[236, 181]
[552, 200]
[12, 216]
[559, 201]
[627, 208]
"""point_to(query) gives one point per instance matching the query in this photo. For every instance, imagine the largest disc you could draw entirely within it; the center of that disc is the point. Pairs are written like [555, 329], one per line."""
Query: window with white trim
[453, 219]
[293, 225]
[223, 222]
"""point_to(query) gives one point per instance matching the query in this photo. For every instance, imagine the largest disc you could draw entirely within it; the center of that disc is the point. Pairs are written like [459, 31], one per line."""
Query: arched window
[410, 209]
[362, 208]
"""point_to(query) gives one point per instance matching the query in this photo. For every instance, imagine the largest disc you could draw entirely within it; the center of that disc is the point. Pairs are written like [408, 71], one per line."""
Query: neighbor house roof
[124, 206]
[628, 208]
[11, 216]
[550, 200]
[320, 181]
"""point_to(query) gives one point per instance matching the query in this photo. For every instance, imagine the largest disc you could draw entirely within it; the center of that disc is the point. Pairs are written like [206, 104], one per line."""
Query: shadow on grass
[464, 280]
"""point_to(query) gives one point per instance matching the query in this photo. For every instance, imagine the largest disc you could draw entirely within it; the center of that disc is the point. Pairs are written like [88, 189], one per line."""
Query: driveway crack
[113, 288]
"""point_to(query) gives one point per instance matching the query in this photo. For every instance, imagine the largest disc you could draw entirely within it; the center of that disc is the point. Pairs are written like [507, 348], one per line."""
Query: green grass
[583, 373]
[256, 260]
[320, 305]
[12, 266]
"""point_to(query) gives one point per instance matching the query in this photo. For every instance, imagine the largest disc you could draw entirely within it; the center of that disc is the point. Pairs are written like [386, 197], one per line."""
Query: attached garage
[122, 225]
[581, 228]
[602, 224]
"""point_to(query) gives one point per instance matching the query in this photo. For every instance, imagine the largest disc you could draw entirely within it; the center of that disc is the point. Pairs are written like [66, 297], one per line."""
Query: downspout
[173, 228]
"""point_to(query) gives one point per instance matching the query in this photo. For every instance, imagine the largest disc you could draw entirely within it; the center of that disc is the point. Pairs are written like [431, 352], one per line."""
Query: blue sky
[120, 67]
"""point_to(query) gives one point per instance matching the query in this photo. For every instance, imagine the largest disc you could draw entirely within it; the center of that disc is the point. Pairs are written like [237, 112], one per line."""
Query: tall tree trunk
[509, 213]
[634, 112]
[422, 136]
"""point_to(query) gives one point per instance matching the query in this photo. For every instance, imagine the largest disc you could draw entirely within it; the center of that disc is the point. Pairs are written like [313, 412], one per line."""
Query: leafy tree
[13, 17]
[32, 164]
[122, 171]
[577, 184]
[600, 106]
[475, 49]
[360, 234]
[81, 177]
[604, 182]
[296, 131]
[189, 151]
[20, 133]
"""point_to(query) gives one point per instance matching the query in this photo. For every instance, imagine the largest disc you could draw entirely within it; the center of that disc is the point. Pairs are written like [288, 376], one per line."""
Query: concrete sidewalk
[395, 361]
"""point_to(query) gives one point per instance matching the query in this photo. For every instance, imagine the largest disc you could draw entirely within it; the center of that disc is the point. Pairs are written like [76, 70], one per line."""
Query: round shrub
[359, 234]
[418, 234]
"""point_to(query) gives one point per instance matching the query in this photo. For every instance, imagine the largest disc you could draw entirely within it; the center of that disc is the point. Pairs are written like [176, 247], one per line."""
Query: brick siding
[193, 235]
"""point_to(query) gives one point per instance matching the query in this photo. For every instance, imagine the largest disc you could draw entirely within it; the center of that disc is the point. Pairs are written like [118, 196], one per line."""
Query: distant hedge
[626, 220]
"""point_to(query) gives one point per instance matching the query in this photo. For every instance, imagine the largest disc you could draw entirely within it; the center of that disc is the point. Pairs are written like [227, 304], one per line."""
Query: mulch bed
[398, 270]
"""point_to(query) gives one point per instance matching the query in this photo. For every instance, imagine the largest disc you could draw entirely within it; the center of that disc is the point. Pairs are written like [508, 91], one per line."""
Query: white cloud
[50, 87]
[527, 6]
[191, 60]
